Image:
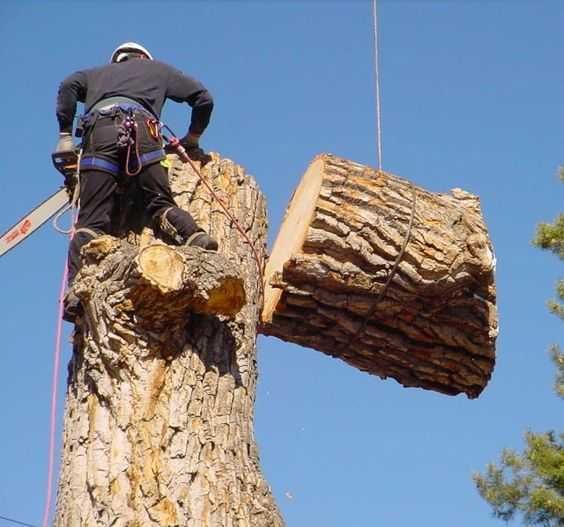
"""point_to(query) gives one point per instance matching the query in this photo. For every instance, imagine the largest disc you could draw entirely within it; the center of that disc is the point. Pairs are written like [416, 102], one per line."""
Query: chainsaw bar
[32, 221]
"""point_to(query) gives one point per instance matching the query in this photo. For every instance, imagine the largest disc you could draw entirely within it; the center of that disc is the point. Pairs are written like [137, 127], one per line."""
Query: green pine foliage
[558, 359]
[531, 484]
[550, 236]
[556, 306]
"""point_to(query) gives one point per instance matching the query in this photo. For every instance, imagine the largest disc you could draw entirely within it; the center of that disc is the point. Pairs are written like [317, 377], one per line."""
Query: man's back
[149, 82]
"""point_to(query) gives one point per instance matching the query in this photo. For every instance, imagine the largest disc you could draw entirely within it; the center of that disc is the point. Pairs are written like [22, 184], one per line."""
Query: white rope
[72, 205]
[377, 76]
[57, 220]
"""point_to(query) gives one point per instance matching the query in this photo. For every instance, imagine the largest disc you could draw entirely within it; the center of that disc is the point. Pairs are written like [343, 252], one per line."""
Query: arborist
[121, 138]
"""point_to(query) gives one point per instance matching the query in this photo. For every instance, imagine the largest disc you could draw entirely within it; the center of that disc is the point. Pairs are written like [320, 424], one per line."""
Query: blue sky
[472, 98]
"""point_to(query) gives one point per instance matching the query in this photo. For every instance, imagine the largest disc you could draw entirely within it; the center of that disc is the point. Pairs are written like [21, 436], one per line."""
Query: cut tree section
[158, 427]
[389, 277]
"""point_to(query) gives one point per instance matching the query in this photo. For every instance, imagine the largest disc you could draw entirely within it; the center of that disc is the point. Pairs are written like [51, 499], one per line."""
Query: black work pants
[98, 199]
[103, 167]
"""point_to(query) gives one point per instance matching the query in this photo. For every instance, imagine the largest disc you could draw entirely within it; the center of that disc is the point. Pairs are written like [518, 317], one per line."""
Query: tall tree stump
[393, 279]
[158, 426]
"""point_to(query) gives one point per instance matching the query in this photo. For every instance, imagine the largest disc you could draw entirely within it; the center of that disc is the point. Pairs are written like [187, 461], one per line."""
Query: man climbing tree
[121, 137]
[532, 484]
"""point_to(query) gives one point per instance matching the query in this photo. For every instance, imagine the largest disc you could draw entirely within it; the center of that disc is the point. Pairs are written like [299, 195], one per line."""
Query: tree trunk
[158, 424]
[393, 279]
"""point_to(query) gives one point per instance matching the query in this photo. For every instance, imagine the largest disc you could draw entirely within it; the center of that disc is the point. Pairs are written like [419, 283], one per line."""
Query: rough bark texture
[416, 304]
[159, 413]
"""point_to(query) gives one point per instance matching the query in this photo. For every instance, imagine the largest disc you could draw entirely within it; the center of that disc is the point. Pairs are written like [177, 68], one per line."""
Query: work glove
[65, 142]
[190, 142]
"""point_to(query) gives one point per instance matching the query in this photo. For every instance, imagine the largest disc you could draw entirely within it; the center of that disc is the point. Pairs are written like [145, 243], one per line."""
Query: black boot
[203, 240]
[179, 227]
[71, 307]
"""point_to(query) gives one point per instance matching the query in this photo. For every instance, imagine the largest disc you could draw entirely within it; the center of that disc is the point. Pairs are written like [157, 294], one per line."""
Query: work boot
[71, 307]
[203, 240]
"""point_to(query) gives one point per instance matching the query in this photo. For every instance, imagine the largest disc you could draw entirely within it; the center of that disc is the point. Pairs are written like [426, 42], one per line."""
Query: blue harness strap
[99, 163]
[152, 156]
[125, 109]
[92, 162]
[106, 105]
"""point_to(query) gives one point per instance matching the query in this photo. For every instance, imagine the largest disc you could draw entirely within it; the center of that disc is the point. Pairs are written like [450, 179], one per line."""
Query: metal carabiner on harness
[154, 128]
[127, 138]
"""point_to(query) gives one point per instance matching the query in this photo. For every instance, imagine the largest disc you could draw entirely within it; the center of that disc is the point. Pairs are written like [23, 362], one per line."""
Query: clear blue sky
[472, 97]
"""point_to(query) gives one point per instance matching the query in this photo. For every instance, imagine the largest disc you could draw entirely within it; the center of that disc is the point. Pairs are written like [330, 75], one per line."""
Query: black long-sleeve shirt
[148, 82]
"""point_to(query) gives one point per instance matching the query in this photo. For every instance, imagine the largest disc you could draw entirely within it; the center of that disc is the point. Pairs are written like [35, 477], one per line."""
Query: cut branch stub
[391, 278]
[164, 281]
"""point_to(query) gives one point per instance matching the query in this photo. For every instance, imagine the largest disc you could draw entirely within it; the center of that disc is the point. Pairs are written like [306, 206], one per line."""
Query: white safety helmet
[123, 51]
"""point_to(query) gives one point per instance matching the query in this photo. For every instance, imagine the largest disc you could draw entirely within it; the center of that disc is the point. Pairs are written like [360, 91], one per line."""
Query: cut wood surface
[158, 427]
[389, 277]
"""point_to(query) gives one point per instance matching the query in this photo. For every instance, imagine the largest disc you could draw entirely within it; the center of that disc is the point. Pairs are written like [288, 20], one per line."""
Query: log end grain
[292, 233]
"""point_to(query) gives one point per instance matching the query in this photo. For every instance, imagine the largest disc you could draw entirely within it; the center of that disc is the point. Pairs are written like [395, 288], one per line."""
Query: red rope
[181, 152]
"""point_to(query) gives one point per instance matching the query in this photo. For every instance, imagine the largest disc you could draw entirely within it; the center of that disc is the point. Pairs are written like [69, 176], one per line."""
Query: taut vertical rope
[53, 414]
[74, 206]
[377, 79]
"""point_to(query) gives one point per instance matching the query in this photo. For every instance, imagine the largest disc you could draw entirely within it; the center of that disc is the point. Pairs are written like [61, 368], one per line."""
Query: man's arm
[72, 90]
[182, 88]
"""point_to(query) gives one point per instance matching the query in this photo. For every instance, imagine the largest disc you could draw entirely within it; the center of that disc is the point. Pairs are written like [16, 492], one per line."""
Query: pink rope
[54, 387]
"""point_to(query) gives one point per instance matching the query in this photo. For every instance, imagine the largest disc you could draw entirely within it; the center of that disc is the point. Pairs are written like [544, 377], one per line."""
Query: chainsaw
[67, 164]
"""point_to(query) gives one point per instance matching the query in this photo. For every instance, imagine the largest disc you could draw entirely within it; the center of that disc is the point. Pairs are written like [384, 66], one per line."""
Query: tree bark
[393, 279]
[158, 426]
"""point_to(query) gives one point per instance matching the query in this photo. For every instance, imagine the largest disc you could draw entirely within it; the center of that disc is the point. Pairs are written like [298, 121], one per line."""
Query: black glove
[195, 153]
[193, 150]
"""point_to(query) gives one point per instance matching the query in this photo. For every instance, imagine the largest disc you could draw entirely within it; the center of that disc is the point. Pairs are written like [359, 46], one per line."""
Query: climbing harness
[126, 115]
[127, 140]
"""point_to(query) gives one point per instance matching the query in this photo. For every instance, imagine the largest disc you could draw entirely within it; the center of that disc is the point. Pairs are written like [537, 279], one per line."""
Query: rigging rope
[393, 269]
[258, 260]
[55, 377]
[54, 384]
[377, 78]
[183, 156]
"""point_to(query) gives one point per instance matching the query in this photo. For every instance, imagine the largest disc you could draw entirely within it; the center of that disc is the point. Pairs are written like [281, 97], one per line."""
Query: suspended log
[393, 279]
[158, 427]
